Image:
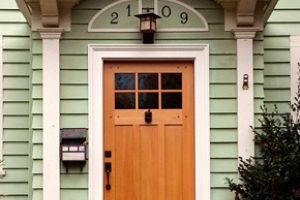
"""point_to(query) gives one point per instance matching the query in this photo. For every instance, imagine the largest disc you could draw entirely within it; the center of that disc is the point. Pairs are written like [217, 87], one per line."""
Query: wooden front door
[149, 130]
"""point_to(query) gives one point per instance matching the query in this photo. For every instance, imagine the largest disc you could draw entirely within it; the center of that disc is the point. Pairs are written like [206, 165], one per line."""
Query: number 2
[115, 17]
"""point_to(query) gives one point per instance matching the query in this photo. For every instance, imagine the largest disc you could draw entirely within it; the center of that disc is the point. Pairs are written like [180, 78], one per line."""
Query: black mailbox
[73, 147]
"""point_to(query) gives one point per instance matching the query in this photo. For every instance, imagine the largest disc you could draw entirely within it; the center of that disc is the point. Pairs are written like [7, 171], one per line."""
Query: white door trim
[97, 54]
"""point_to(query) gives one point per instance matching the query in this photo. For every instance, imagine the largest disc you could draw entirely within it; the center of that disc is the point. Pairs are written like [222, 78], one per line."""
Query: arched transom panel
[176, 16]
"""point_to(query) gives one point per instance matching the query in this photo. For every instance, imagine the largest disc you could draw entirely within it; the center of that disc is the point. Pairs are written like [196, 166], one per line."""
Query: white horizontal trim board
[2, 172]
[97, 54]
[295, 62]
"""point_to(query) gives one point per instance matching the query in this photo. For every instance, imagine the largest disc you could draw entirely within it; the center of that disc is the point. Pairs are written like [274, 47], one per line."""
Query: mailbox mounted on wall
[73, 147]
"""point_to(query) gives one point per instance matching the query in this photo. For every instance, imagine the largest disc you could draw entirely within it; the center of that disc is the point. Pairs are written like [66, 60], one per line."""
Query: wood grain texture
[150, 161]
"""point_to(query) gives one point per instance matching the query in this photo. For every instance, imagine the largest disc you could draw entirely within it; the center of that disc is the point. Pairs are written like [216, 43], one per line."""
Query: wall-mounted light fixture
[245, 82]
[148, 26]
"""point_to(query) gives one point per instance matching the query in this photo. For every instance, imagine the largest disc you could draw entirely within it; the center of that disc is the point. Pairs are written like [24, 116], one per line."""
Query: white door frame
[97, 54]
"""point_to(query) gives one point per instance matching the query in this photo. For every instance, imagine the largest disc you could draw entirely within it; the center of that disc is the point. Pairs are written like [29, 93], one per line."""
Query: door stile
[189, 137]
[108, 138]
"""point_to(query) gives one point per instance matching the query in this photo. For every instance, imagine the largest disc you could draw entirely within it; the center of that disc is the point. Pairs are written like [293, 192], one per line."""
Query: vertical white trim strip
[202, 125]
[2, 172]
[246, 147]
[200, 54]
[156, 7]
[51, 132]
[140, 7]
[295, 61]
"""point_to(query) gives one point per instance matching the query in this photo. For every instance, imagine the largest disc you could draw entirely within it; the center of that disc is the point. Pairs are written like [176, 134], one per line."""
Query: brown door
[149, 160]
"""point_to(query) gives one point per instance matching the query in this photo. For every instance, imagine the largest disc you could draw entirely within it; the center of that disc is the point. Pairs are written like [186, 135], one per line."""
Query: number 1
[128, 10]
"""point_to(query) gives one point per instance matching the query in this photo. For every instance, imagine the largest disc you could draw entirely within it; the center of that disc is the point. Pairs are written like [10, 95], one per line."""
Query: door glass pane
[172, 100]
[171, 81]
[148, 100]
[148, 81]
[124, 81]
[125, 101]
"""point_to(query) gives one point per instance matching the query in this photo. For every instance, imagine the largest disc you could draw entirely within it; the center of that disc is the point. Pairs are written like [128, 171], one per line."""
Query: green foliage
[275, 175]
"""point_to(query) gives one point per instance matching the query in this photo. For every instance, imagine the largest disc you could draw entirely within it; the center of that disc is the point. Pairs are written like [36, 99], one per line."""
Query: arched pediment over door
[176, 16]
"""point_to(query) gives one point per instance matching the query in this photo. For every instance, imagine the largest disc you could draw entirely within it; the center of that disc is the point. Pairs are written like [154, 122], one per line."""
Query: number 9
[184, 17]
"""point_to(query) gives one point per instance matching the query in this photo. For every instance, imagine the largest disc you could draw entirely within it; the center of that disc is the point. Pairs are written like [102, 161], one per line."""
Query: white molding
[25, 10]
[246, 147]
[156, 7]
[51, 115]
[2, 172]
[140, 9]
[182, 30]
[97, 54]
[295, 60]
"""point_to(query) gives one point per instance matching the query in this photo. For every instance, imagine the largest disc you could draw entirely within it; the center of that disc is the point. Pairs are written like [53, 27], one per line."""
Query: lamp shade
[148, 22]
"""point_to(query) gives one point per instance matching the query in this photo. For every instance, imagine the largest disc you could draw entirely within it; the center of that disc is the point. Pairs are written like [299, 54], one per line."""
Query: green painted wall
[16, 102]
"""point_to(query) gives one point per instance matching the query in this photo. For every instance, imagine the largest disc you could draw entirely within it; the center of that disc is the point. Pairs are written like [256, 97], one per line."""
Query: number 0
[184, 17]
[166, 11]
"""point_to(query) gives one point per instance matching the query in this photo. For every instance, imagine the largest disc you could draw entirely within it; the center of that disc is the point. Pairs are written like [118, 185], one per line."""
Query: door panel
[126, 145]
[173, 162]
[150, 161]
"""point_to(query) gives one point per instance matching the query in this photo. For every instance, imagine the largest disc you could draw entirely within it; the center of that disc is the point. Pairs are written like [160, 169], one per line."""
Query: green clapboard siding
[15, 69]
[223, 135]
[16, 162]
[16, 135]
[16, 102]
[288, 4]
[224, 165]
[283, 22]
[15, 175]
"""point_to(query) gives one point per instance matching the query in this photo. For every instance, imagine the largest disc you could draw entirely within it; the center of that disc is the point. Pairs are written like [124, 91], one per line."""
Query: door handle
[107, 169]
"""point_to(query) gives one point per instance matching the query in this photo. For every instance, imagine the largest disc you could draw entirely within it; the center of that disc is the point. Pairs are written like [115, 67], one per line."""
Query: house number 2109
[166, 12]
